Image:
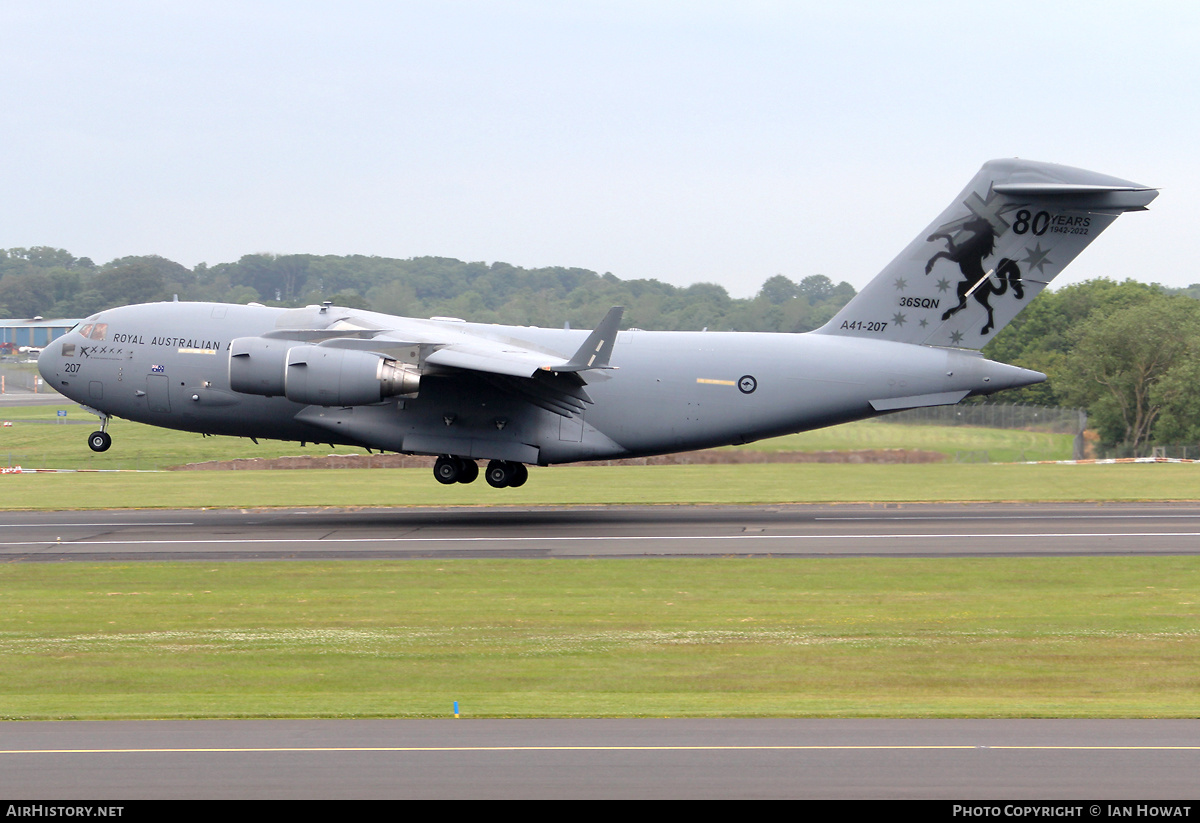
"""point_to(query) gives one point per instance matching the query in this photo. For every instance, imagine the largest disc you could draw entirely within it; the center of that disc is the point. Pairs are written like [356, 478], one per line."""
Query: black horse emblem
[969, 254]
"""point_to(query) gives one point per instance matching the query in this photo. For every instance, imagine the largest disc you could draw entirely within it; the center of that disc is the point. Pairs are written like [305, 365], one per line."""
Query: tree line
[53, 283]
[1128, 352]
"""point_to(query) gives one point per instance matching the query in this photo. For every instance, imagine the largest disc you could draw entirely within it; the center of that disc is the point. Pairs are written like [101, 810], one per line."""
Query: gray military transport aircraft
[516, 395]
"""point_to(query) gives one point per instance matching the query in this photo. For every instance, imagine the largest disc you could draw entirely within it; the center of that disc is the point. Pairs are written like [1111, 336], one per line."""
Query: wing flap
[495, 359]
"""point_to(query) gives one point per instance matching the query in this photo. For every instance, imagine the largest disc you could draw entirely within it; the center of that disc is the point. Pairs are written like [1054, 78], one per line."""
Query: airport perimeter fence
[20, 376]
[1048, 419]
[1053, 419]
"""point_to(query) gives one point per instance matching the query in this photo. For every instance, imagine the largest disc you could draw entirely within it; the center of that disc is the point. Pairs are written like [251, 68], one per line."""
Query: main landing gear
[455, 470]
[499, 474]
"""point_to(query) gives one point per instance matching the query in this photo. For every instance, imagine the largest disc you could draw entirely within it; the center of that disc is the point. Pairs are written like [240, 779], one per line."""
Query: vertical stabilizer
[1009, 233]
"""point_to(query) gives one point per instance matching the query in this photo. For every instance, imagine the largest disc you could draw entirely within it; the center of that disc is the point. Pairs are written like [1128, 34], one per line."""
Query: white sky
[685, 141]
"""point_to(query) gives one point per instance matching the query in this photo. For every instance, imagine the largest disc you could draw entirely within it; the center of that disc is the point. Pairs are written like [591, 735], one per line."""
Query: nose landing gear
[101, 440]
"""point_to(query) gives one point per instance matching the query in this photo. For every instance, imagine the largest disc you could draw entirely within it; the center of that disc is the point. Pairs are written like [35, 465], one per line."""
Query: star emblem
[943, 285]
[924, 322]
[956, 337]
[898, 319]
[1037, 258]
[901, 284]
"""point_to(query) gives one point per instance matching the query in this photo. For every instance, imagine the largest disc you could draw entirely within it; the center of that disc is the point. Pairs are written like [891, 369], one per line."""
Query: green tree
[1120, 366]
[27, 295]
[778, 290]
[1178, 394]
[1044, 333]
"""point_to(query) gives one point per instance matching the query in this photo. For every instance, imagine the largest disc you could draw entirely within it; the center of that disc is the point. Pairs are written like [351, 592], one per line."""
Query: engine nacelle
[316, 375]
[256, 365]
[327, 376]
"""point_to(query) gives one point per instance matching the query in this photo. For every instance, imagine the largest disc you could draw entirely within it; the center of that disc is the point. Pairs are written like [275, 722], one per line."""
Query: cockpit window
[99, 330]
[86, 330]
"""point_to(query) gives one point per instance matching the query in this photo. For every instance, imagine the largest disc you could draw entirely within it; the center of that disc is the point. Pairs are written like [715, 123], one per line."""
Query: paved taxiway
[947, 759]
[914, 530]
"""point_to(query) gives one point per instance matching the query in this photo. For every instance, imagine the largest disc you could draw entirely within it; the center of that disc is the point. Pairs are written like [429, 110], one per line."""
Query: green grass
[37, 439]
[1000, 445]
[612, 485]
[994, 637]
[967, 637]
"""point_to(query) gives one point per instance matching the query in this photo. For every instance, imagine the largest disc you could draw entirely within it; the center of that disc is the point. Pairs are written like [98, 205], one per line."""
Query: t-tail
[1011, 231]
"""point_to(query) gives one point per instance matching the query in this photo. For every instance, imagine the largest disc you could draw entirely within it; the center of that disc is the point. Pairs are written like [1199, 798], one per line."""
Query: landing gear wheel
[470, 471]
[447, 470]
[499, 474]
[99, 441]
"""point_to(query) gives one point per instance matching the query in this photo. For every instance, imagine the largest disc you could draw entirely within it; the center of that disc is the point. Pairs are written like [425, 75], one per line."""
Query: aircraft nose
[48, 361]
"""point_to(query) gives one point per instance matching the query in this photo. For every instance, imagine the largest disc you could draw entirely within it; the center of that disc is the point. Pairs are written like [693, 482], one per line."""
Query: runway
[880, 530]
[951, 760]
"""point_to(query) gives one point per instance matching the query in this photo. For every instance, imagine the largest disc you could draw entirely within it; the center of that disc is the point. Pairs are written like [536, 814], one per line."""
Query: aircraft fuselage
[517, 395]
[168, 364]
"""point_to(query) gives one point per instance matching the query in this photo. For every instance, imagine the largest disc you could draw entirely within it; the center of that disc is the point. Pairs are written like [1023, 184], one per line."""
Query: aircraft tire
[447, 470]
[470, 471]
[499, 474]
[520, 475]
[99, 441]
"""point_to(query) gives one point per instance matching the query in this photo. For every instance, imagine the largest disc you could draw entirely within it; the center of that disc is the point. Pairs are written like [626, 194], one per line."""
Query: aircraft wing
[545, 378]
[443, 345]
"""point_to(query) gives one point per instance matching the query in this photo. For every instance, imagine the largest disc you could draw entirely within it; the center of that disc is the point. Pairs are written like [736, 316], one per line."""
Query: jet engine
[256, 365]
[316, 375]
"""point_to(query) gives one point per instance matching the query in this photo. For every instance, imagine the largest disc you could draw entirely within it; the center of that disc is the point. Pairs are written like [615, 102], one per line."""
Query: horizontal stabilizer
[1063, 189]
[918, 401]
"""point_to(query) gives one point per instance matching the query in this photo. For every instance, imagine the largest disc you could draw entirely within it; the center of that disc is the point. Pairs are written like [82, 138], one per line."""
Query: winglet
[597, 349]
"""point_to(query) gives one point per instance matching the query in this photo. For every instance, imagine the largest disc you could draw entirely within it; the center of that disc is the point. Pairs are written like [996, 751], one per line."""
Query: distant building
[36, 332]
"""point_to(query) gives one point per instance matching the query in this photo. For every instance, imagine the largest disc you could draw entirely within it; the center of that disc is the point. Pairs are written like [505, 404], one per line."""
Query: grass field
[955, 442]
[963, 637]
[1058, 637]
[39, 438]
[612, 485]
